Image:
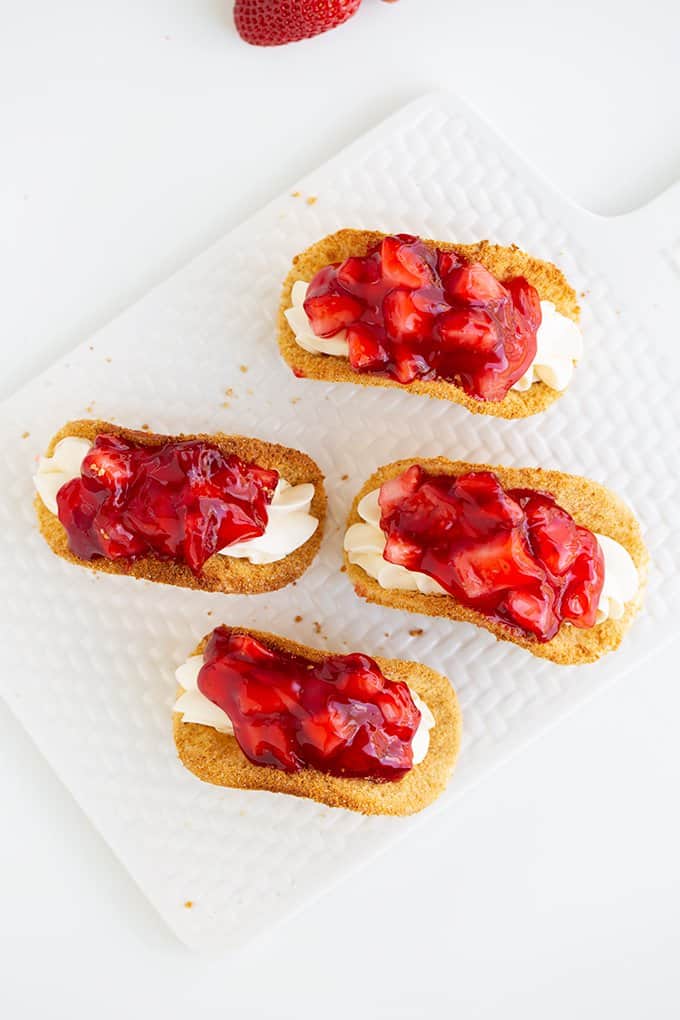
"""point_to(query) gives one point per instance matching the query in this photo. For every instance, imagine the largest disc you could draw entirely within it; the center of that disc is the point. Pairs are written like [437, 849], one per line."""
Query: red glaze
[340, 715]
[180, 501]
[514, 554]
[413, 312]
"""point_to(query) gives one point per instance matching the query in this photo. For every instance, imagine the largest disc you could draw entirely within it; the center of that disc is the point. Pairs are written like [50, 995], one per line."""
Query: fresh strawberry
[332, 312]
[275, 22]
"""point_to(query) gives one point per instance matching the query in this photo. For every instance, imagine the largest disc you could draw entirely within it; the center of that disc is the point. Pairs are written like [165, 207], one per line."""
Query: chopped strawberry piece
[470, 330]
[447, 261]
[395, 491]
[473, 284]
[408, 364]
[359, 276]
[525, 300]
[366, 352]
[533, 609]
[493, 564]
[403, 320]
[514, 554]
[406, 262]
[109, 463]
[330, 313]
[402, 552]
[341, 715]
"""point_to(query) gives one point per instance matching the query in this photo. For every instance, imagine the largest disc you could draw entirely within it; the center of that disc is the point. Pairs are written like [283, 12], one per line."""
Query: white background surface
[133, 136]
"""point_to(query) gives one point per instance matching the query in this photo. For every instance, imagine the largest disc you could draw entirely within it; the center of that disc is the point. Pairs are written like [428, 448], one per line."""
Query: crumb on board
[416, 632]
[317, 627]
[188, 904]
[88, 409]
[145, 427]
[295, 194]
[109, 360]
[295, 400]
[229, 392]
[298, 619]
[387, 633]
[210, 612]
[343, 478]
[343, 569]
[225, 403]
[243, 368]
[25, 435]
[311, 200]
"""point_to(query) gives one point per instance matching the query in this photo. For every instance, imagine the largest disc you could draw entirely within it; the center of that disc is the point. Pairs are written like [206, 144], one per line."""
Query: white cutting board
[89, 659]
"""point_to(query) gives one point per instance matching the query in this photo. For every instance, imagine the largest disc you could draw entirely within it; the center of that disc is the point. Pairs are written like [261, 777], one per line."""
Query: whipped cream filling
[194, 707]
[558, 343]
[365, 543]
[289, 525]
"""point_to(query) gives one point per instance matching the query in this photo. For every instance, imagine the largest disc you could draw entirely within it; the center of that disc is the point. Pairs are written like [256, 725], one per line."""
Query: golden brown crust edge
[216, 757]
[548, 280]
[220, 573]
[589, 503]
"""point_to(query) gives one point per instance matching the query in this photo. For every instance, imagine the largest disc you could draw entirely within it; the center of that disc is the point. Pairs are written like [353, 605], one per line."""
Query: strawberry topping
[339, 716]
[181, 501]
[514, 554]
[415, 312]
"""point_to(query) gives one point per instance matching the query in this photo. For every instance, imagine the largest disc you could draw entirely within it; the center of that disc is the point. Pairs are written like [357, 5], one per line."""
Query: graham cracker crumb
[243, 368]
[146, 427]
[343, 569]
[295, 400]
[188, 904]
[343, 478]
[416, 632]
[298, 619]
[25, 435]
[295, 194]
[317, 627]
[311, 200]
[109, 360]
[229, 392]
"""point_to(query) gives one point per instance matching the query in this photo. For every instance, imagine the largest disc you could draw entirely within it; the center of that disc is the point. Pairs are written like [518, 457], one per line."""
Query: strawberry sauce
[514, 554]
[415, 312]
[181, 501]
[339, 716]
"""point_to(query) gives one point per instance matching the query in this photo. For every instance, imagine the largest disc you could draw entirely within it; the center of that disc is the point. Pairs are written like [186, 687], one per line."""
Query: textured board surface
[89, 659]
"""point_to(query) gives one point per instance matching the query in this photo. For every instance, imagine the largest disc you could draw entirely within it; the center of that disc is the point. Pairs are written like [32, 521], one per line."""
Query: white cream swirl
[559, 344]
[365, 544]
[194, 707]
[290, 523]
